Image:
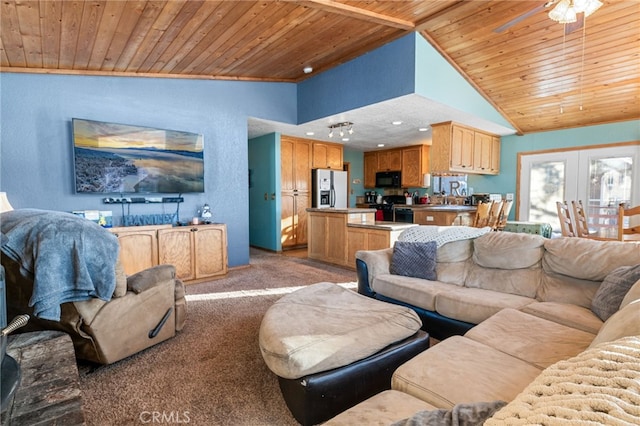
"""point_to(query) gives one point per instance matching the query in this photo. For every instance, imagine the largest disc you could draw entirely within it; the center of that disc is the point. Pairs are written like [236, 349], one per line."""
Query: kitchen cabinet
[462, 149]
[415, 163]
[138, 247]
[368, 239]
[327, 155]
[197, 252]
[295, 196]
[328, 233]
[443, 218]
[327, 237]
[389, 160]
[370, 169]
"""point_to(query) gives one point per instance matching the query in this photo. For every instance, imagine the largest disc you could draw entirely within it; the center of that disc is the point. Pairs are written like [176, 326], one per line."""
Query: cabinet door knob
[194, 229]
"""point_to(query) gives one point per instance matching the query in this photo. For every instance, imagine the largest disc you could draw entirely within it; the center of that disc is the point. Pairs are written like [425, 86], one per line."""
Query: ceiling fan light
[589, 7]
[563, 13]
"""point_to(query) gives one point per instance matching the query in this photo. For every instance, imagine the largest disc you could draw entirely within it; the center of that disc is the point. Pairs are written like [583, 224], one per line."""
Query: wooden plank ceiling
[528, 71]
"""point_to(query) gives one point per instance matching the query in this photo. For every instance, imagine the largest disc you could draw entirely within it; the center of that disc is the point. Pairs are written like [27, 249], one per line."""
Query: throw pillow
[475, 413]
[615, 286]
[416, 260]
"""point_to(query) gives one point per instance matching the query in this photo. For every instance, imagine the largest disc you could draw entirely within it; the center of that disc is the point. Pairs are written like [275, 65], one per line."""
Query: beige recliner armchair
[145, 308]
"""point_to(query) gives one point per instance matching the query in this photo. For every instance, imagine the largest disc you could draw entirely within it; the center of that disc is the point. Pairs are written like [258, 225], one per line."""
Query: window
[601, 177]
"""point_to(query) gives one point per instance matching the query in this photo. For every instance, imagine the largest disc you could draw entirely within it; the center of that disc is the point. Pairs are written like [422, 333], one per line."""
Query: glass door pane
[609, 185]
[546, 186]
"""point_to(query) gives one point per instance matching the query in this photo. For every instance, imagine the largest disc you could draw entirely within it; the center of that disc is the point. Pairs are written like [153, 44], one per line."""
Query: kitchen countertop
[383, 225]
[342, 210]
[437, 207]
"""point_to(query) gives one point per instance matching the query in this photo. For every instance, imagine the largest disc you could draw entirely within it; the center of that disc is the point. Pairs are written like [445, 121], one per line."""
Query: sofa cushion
[559, 288]
[475, 305]
[414, 259]
[573, 316]
[632, 294]
[416, 291]
[587, 259]
[530, 338]
[325, 326]
[455, 251]
[381, 409]
[613, 289]
[508, 250]
[625, 322]
[598, 386]
[521, 282]
[460, 370]
[151, 277]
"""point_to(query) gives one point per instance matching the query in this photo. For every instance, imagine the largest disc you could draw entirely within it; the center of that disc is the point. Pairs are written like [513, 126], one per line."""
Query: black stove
[385, 210]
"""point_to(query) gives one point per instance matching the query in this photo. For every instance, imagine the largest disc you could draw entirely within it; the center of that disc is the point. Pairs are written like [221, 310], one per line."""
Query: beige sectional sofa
[532, 301]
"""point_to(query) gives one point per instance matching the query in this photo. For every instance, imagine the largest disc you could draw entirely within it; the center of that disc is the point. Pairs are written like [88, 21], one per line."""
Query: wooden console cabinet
[198, 252]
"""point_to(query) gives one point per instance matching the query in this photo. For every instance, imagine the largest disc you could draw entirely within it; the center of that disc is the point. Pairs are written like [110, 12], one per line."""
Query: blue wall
[382, 74]
[437, 80]
[36, 164]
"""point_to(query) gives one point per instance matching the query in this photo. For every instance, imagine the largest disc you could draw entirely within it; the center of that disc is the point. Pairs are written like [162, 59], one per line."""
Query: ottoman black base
[318, 397]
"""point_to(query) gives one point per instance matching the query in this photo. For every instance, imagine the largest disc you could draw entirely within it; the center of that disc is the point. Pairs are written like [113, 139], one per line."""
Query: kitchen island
[336, 234]
[442, 214]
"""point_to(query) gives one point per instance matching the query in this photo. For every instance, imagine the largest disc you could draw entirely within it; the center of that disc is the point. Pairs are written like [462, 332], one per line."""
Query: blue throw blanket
[69, 258]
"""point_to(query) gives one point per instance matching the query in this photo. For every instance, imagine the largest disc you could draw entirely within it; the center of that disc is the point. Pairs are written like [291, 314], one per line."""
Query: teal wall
[512, 145]
[437, 80]
[357, 173]
[264, 178]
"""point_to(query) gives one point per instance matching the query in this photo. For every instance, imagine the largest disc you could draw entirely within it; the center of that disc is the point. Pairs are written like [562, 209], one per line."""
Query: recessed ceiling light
[396, 123]
[345, 139]
[307, 70]
[423, 129]
[380, 145]
[310, 133]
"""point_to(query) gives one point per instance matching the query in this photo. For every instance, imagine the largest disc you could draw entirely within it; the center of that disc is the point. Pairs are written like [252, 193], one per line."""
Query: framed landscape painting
[120, 158]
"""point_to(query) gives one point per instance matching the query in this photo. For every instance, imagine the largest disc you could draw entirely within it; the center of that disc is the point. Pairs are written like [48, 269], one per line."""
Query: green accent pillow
[615, 286]
[416, 260]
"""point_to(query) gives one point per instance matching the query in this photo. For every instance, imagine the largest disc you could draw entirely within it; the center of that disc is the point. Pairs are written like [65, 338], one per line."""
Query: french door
[601, 177]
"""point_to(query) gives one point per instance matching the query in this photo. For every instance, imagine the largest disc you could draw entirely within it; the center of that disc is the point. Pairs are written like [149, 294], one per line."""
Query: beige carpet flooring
[212, 372]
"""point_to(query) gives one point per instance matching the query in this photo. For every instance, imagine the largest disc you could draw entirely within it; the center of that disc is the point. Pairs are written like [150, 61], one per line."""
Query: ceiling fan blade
[524, 16]
[574, 26]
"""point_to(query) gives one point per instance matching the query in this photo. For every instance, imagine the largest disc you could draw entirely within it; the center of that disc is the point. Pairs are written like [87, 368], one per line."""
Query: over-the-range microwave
[388, 179]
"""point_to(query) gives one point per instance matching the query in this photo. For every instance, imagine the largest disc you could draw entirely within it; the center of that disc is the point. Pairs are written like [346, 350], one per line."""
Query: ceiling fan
[568, 29]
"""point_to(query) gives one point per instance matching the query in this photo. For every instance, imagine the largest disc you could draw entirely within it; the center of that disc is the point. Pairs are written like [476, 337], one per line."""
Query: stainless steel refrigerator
[329, 188]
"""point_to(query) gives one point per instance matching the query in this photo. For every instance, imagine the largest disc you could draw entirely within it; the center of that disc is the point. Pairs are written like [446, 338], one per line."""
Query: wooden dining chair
[504, 215]
[633, 213]
[567, 224]
[482, 215]
[581, 221]
[494, 214]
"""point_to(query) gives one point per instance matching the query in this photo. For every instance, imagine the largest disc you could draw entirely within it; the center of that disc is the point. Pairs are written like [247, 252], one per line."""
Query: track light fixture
[341, 126]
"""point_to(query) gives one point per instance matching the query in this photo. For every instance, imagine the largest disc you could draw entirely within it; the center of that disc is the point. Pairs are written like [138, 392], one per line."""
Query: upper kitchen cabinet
[415, 163]
[370, 169]
[463, 149]
[411, 161]
[327, 155]
[389, 160]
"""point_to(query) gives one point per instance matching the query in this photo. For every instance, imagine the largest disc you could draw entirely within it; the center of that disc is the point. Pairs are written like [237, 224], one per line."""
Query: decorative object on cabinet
[462, 149]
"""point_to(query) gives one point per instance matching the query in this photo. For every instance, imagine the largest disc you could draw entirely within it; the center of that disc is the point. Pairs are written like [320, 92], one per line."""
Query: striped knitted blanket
[441, 234]
[600, 386]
